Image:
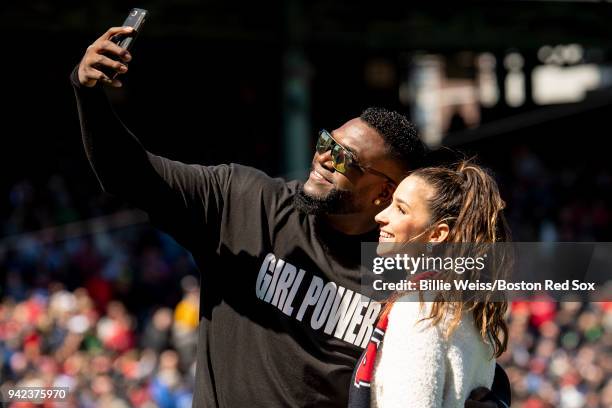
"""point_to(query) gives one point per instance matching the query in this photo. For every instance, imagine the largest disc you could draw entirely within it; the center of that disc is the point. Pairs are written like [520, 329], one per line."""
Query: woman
[434, 353]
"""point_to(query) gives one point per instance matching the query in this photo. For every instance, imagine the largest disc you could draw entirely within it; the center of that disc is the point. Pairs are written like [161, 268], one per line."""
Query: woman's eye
[400, 210]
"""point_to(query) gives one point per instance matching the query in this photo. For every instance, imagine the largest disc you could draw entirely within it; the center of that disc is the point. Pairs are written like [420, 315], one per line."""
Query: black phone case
[135, 19]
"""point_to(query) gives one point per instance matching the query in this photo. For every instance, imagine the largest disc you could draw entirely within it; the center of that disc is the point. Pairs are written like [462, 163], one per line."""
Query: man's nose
[325, 160]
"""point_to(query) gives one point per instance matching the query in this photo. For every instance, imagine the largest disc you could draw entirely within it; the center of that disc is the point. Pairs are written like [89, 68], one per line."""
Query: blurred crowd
[560, 354]
[560, 202]
[113, 314]
[59, 338]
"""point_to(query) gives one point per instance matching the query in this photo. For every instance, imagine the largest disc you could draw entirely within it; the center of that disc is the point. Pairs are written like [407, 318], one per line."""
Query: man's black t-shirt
[282, 322]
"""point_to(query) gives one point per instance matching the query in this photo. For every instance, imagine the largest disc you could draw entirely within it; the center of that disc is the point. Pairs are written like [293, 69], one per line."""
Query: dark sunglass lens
[339, 159]
[324, 142]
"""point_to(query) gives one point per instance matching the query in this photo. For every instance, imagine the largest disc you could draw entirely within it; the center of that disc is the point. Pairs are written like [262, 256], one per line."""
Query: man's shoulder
[249, 183]
[259, 177]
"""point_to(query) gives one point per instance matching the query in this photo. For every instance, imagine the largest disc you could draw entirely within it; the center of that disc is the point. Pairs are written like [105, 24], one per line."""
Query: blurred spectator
[186, 319]
[157, 331]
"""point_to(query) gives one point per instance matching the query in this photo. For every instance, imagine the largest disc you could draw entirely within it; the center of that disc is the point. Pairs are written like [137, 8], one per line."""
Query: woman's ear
[439, 233]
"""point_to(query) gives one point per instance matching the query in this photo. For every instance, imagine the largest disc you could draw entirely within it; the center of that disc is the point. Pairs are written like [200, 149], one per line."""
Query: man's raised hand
[98, 58]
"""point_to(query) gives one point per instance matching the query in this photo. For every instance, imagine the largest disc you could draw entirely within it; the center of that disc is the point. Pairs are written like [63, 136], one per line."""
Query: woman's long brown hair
[466, 197]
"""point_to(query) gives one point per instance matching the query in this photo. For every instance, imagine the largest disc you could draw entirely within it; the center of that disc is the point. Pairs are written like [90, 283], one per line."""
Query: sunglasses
[342, 158]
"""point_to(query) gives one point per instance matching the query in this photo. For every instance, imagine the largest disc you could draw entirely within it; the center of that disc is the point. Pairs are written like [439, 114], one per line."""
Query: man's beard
[335, 202]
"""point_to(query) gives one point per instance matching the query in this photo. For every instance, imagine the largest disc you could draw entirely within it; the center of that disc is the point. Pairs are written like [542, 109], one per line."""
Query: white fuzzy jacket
[418, 368]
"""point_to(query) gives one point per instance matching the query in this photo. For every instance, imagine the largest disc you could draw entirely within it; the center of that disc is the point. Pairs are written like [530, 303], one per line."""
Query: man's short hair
[399, 135]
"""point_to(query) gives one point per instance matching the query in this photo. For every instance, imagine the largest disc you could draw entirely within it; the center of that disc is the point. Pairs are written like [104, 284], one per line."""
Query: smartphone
[135, 19]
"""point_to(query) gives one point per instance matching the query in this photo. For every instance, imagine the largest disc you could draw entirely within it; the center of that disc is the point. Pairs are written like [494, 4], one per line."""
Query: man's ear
[439, 233]
[386, 192]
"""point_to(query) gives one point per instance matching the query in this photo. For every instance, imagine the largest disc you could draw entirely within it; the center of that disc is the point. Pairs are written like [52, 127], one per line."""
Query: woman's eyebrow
[399, 200]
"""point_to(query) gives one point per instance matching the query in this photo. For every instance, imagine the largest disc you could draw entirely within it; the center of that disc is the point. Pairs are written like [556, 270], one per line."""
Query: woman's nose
[381, 217]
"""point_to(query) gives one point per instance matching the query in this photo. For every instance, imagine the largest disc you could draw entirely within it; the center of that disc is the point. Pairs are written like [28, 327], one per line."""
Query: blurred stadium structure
[91, 296]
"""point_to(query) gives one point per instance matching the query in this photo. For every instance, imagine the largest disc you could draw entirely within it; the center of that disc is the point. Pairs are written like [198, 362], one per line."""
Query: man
[282, 322]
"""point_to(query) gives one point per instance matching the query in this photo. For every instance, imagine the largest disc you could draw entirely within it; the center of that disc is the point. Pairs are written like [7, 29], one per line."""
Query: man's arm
[498, 397]
[501, 387]
[177, 196]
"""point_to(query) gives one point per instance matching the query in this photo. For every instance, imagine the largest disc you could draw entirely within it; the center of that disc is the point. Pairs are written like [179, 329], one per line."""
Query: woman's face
[408, 214]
